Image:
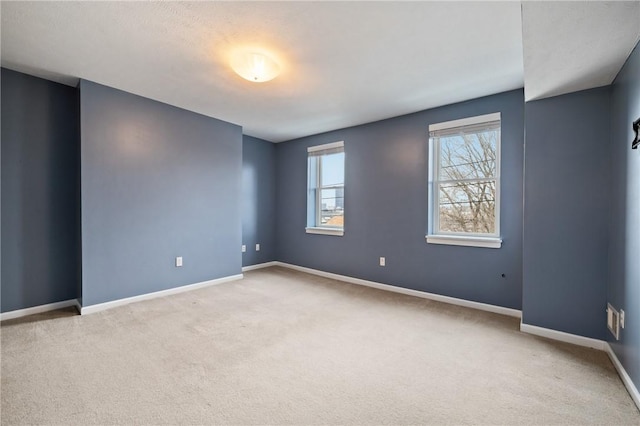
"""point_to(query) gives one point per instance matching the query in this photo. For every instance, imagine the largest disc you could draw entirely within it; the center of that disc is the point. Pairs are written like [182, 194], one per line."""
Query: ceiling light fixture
[256, 67]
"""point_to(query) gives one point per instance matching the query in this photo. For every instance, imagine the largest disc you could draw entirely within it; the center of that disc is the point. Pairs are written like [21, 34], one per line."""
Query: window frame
[329, 148]
[470, 239]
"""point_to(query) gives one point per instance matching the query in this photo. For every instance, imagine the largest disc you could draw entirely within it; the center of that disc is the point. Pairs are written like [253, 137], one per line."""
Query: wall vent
[613, 321]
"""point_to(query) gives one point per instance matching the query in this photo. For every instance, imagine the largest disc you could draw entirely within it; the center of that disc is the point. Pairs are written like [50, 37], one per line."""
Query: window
[464, 182]
[325, 184]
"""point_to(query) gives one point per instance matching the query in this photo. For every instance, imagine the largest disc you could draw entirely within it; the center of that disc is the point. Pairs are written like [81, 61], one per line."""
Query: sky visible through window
[332, 195]
[333, 169]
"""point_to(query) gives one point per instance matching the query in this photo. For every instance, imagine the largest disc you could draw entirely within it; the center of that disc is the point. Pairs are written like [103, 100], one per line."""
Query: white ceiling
[571, 46]
[344, 63]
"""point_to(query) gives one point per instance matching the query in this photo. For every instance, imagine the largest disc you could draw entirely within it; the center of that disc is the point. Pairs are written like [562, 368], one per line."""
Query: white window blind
[326, 149]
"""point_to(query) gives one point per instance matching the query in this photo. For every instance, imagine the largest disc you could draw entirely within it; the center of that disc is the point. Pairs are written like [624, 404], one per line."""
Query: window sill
[326, 231]
[461, 240]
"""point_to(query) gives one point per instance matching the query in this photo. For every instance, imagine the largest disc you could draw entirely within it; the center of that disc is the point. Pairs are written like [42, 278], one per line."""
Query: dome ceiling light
[254, 66]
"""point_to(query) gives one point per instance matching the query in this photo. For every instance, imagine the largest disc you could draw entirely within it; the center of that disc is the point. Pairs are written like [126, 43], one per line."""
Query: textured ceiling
[344, 63]
[571, 46]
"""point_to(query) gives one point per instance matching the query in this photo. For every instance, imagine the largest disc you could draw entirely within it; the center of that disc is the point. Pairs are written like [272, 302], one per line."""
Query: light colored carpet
[284, 347]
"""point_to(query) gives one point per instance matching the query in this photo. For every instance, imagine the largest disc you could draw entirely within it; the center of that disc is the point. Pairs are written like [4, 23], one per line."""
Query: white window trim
[324, 230]
[463, 240]
[465, 121]
[469, 240]
[339, 144]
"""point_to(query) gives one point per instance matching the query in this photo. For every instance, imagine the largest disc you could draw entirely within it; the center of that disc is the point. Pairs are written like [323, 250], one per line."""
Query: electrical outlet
[621, 318]
[178, 261]
[257, 247]
[383, 261]
[244, 248]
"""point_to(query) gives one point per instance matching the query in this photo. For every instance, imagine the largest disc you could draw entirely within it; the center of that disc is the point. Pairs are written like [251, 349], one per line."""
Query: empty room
[318, 212]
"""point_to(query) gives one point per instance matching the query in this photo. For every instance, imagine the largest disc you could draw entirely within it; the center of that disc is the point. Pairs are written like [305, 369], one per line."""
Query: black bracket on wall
[636, 140]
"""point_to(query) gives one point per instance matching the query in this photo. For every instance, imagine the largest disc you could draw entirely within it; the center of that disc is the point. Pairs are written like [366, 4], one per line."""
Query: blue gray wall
[39, 191]
[386, 208]
[160, 182]
[258, 200]
[624, 248]
[567, 183]
[157, 182]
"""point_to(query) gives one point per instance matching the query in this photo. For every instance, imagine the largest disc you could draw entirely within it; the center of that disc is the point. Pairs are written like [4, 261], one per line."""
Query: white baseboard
[628, 383]
[37, 309]
[108, 305]
[563, 337]
[422, 294]
[259, 266]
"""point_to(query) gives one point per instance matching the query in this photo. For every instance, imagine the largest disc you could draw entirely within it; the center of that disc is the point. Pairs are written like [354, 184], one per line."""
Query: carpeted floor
[283, 347]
